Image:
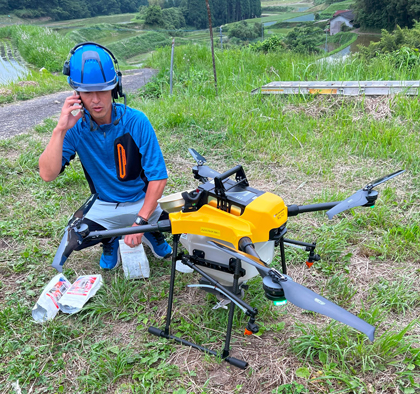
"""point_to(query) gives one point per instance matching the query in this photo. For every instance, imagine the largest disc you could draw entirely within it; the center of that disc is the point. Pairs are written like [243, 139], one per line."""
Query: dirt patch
[28, 83]
[5, 92]
[377, 108]
[4, 244]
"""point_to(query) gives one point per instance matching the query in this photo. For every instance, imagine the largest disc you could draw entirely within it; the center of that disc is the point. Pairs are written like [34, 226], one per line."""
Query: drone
[230, 231]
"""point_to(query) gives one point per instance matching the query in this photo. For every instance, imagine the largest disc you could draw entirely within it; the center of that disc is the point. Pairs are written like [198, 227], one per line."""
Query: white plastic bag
[134, 261]
[79, 293]
[47, 306]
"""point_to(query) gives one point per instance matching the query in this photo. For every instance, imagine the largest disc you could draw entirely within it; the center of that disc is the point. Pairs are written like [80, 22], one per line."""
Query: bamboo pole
[212, 46]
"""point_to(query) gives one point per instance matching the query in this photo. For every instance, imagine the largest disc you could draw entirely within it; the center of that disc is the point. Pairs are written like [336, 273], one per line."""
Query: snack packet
[46, 308]
[79, 293]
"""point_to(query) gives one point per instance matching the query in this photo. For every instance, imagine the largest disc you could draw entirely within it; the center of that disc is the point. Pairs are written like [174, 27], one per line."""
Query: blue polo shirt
[118, 160]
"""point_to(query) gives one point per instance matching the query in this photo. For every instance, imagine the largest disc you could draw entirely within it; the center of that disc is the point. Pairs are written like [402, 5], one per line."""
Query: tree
[153, 15]
[387, 14]
[173, 18]
[197, 14]
[4, 7]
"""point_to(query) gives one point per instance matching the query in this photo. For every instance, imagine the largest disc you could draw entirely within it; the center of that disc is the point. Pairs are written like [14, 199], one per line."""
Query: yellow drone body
[265, 213]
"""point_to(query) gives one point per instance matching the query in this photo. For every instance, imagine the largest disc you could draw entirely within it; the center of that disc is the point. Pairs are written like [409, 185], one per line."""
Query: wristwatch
[140, 221]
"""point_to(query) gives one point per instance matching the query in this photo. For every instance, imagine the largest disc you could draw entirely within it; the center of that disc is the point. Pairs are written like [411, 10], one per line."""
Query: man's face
[99, 105]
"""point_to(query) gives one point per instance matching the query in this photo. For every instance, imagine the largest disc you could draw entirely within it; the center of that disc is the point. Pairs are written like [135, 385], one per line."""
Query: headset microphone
[116, 121]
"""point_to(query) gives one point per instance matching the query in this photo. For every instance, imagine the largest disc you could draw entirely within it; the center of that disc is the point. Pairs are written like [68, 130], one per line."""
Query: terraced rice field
[12, 66]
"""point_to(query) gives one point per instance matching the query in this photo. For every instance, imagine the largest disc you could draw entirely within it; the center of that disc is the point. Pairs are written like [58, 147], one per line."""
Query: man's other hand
[133, 240]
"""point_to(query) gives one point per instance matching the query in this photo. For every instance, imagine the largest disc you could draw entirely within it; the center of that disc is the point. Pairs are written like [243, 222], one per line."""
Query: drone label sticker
[279, 214]
[210, 231]
[319, 301]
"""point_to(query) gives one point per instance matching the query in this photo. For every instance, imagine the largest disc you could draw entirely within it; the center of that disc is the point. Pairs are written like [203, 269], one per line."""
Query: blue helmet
[91, 68]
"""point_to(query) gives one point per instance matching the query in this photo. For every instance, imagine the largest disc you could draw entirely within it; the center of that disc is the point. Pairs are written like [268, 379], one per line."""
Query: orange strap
[122, 160]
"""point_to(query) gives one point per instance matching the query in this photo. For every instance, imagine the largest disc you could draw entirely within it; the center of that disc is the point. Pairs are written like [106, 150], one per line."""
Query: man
[118, 150]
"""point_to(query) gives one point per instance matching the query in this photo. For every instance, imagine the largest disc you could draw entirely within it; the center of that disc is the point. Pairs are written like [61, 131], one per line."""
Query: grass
[102, 33]
[39, 46]
[277, 17]
[305, 149]
[34, 84]
[76, 23]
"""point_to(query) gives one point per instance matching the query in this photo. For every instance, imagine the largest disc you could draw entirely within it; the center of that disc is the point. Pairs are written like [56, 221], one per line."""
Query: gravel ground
[20, 117]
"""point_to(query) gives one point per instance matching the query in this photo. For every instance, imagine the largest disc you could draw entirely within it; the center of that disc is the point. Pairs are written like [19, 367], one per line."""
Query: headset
[117, 91]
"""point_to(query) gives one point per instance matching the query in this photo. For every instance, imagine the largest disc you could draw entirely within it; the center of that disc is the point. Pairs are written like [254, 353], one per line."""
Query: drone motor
[273, 291]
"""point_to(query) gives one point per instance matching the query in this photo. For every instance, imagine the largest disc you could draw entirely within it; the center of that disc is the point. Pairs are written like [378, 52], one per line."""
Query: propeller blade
[377, 182]
[300, 295]
[59, 254]
[307, 299]
[356, 200]
[70, 241]
[197, 157]
[254, 261]
[84, 209]
[206, 172]
[360, 197]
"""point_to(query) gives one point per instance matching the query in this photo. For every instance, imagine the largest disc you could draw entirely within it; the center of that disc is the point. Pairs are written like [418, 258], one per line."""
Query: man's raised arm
[50, 161]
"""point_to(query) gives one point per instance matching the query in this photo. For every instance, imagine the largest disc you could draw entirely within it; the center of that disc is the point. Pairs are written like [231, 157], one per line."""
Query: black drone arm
[294, 210]
[162, 226]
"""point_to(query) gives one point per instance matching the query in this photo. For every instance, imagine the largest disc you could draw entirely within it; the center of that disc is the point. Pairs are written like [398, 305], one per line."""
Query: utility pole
[326, 38]
[262, 30]
[221, 38]
[212, 45]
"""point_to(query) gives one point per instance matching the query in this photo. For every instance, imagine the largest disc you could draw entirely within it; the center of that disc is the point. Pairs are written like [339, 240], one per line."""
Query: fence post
[172, 65]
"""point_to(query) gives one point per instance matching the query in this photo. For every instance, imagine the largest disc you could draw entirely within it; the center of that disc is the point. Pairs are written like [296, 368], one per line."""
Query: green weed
[399, 295]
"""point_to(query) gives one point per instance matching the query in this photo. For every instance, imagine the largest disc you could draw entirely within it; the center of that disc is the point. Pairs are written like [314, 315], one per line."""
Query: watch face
[140, 221]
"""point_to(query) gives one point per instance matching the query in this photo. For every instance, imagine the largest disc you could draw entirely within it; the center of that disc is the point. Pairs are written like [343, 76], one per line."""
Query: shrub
[274, 43]
[391, 42]
[304, 39]
[244, 30]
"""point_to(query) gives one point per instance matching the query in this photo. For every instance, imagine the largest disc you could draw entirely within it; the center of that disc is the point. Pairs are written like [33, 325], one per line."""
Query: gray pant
[110, 215]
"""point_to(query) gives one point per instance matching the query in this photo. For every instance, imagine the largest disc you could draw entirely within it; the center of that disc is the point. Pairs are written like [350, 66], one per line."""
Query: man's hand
[50, 161]
[133, 240]
[67, 120]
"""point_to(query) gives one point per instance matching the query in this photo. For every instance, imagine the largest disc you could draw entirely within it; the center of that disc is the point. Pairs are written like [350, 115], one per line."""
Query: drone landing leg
[236, 276]
[172, 284]
[165, 333]
[283, 257]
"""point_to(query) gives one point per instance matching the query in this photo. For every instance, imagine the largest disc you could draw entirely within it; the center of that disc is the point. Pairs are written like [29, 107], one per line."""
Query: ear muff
[118, 90]
[120, 84]
[66, 68]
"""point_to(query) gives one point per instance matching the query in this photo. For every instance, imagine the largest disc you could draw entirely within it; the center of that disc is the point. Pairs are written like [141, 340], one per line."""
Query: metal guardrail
[342, 88]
